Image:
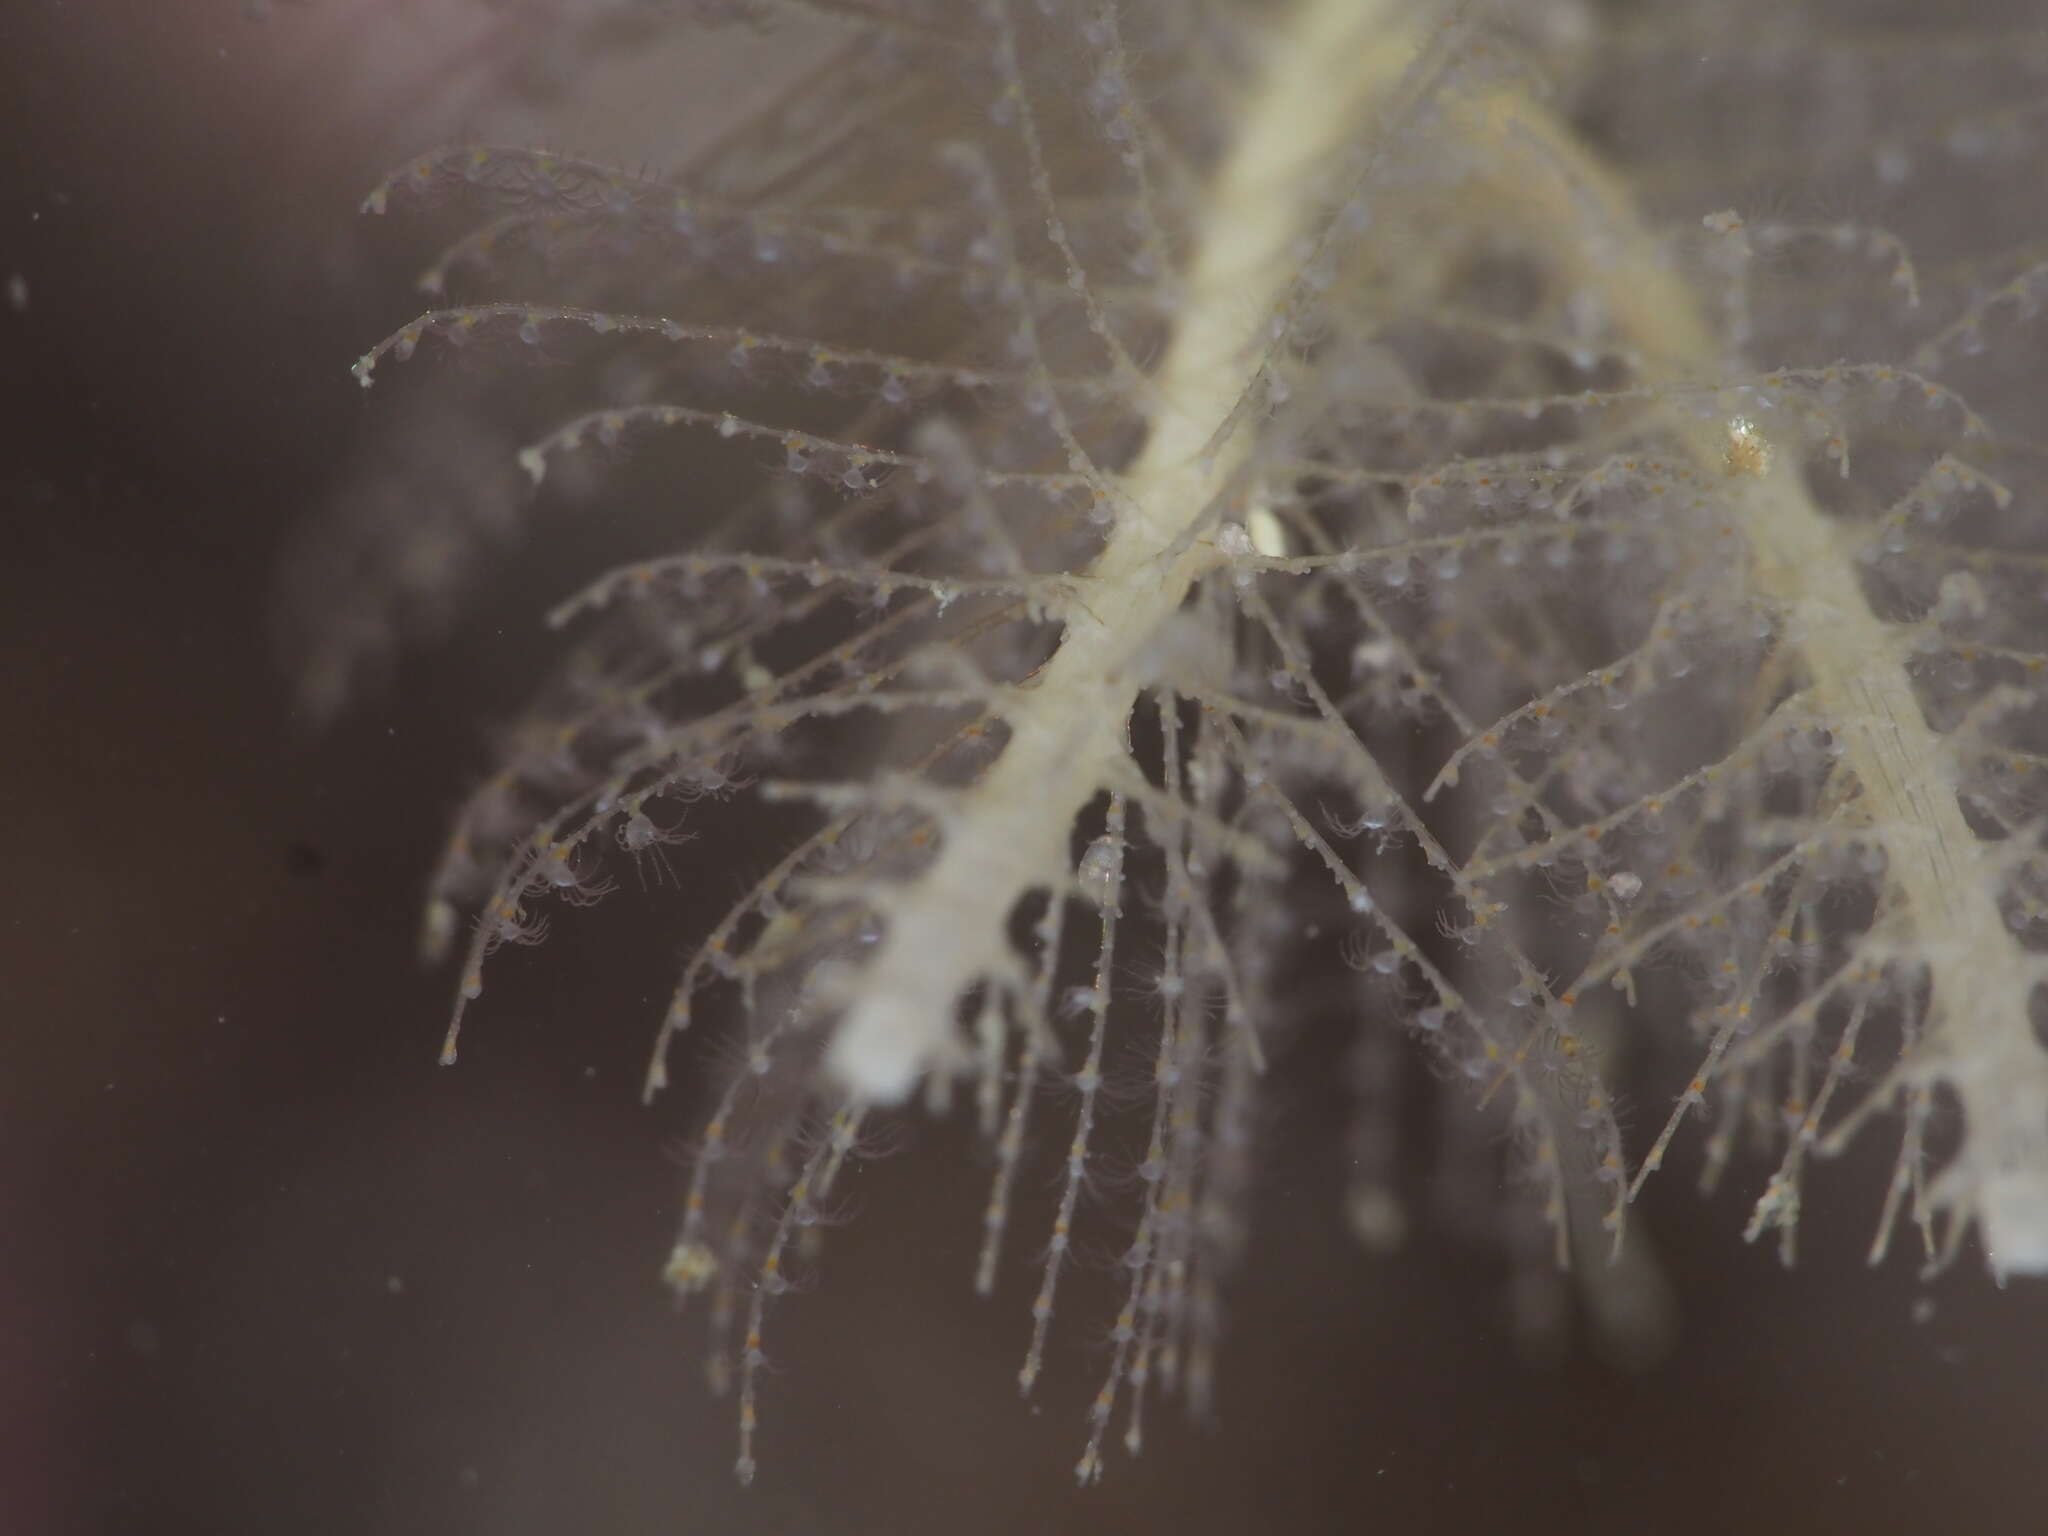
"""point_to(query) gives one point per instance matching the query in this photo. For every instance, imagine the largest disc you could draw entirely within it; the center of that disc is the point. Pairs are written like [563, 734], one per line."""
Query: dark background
[267, 1268]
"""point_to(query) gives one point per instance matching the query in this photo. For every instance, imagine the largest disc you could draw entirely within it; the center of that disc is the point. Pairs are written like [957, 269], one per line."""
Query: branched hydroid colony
[1246, 485]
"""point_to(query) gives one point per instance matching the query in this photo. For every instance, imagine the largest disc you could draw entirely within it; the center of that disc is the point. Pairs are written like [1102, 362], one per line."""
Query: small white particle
[1268, 535]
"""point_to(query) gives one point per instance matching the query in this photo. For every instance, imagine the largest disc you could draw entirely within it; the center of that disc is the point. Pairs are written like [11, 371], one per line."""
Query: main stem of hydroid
[1324, 73]
[1980, 1039]
[1328, 73]
[1804, 574]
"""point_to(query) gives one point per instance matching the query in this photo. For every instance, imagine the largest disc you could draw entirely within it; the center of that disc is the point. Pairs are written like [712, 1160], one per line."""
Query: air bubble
[1100, 870]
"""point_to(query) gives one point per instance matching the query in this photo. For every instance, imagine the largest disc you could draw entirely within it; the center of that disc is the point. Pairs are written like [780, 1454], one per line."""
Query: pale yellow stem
[1324, 71]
